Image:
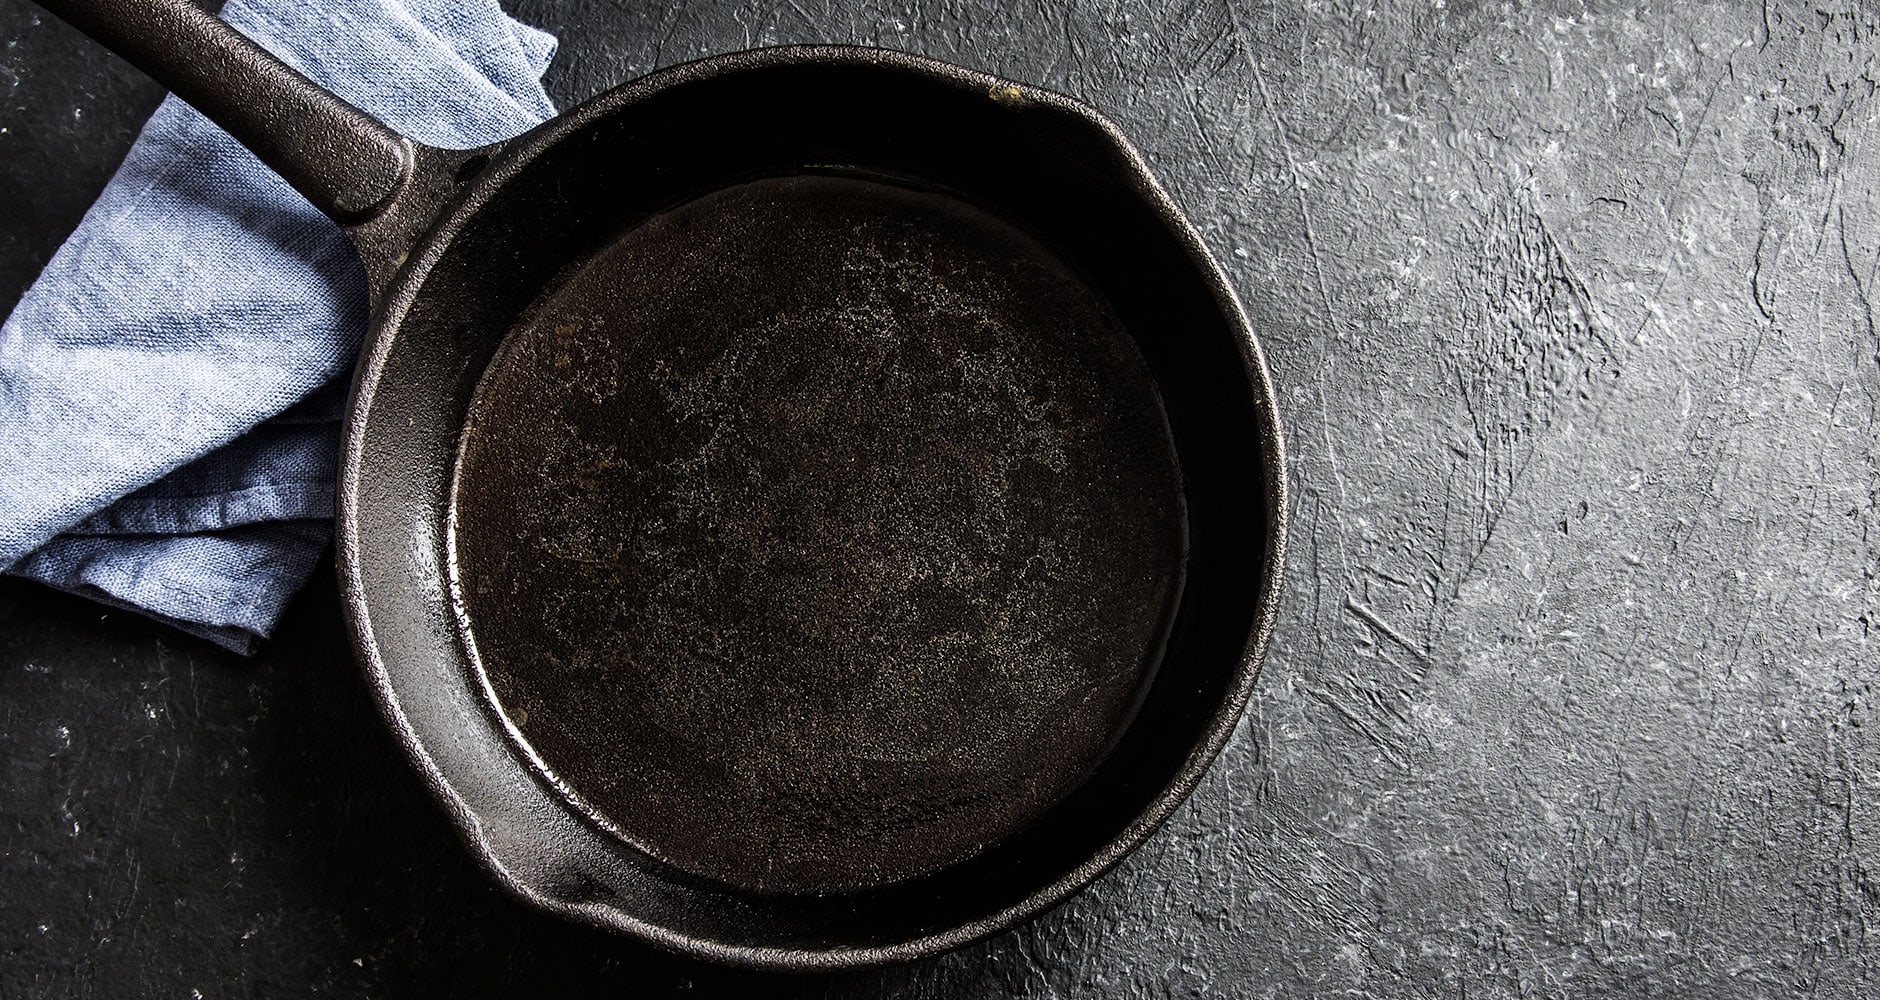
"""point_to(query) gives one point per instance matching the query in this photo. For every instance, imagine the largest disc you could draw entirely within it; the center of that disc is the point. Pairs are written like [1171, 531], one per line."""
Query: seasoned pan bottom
[817, 533]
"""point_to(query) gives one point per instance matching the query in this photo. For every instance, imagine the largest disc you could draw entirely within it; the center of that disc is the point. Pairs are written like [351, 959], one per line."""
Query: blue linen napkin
[171, 386]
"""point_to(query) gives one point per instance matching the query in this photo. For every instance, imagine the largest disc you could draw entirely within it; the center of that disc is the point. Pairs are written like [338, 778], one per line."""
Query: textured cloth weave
[171, 386]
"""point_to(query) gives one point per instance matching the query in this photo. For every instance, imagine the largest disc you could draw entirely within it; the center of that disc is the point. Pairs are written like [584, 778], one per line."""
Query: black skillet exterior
[447, 285]
[423, 359]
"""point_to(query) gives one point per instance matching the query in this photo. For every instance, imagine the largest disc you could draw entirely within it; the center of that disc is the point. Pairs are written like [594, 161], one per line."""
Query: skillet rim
[507, 159]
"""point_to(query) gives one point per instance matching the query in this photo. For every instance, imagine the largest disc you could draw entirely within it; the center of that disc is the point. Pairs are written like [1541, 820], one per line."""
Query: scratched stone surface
[1570, 309]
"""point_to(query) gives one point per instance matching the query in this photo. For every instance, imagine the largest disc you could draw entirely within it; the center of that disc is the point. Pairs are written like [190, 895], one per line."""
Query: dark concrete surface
[1569, 307]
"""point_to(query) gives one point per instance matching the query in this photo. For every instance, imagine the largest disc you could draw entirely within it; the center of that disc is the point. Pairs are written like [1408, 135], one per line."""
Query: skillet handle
[344, 161]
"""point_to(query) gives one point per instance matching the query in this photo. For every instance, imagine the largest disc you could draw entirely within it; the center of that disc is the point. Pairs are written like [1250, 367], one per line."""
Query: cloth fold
[172, 384]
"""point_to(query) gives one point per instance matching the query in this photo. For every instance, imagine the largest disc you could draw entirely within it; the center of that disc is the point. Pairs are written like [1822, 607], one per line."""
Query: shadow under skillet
[182, 819]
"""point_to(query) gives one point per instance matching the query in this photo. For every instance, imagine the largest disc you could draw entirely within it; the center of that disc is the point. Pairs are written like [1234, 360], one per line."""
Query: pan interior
[817, 533]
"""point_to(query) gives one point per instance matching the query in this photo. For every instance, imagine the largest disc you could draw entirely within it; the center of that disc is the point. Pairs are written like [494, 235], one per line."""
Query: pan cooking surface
[817, 533]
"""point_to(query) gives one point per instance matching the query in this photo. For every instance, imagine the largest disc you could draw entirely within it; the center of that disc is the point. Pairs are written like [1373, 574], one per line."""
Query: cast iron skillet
[808, 507]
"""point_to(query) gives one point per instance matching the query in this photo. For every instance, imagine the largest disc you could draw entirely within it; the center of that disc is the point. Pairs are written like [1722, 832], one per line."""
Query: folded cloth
[171, 386]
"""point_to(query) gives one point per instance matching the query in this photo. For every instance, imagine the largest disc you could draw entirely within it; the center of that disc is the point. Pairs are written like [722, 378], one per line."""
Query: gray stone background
[1569, 308]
